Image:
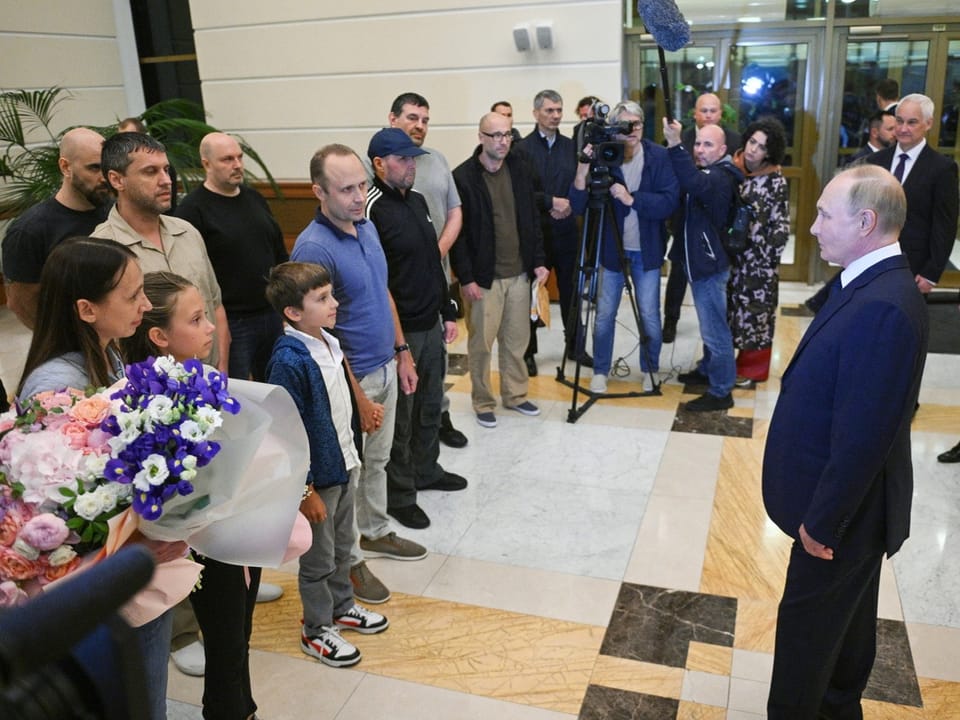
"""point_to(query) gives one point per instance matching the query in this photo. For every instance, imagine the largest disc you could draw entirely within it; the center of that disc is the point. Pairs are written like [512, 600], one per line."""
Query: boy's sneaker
[362, 620]
[598, 384]
[367, 586]
[393, 547]
[486, 419]
[330, 648]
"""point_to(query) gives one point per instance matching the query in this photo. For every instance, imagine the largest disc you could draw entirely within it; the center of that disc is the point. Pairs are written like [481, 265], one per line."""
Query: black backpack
[735, 236]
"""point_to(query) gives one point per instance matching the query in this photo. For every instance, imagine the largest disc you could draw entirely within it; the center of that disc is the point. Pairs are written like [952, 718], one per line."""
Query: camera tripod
[599, 211]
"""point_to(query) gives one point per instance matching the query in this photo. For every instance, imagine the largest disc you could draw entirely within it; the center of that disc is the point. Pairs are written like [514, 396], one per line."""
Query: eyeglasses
[498, 136]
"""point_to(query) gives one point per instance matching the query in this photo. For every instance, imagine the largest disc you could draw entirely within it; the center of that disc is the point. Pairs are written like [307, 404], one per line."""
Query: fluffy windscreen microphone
[665, 22]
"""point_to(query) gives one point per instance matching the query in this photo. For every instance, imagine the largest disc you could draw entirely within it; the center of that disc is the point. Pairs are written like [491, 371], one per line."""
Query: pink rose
[13, 566]
[49, 399]
[15, 516]
[91, 411]
[45, 532]
[11, 595]
[76, 434]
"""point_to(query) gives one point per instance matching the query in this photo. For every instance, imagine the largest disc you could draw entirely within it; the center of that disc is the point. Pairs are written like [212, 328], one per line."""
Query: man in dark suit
[883, 126]
[837, 474]
[929, 180]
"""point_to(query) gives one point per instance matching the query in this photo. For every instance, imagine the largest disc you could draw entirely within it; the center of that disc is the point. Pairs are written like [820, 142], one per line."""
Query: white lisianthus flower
[191, 430]
[165, 364]
[107, 496]
[208, 418]
[25, 549]
[153, 472]
[161, 409]
[94, 466]
[61, 556]
[129, 424]
[87, 506]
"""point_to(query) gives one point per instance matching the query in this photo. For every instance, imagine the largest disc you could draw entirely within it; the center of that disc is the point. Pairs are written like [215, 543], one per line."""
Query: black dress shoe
[449, 435]
[411, 516]
[585, 360]
[669, 330]
[448, 482]
[694, 377]
[708, 403]
[531, 365]
[950, 456]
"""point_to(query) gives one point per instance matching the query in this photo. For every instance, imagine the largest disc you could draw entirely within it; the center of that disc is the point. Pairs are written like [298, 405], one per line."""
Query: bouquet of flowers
[70, 461]
[54, 501]
[161, 429]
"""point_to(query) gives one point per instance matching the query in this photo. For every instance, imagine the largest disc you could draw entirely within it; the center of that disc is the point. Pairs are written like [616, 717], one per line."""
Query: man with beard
[81, 203]
[883, 128]
[137, 169]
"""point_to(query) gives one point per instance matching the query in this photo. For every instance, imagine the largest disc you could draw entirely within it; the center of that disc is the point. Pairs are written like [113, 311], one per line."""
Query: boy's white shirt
[328, 356]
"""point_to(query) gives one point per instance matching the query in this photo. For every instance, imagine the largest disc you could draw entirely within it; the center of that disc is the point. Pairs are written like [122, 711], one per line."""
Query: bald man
[243, 243]
[708, 111]
[81, 203]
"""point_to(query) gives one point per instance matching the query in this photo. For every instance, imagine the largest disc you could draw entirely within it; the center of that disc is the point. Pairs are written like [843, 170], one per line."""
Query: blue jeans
[154, 639]
[251, 343]
[646, 288]
[710, 302]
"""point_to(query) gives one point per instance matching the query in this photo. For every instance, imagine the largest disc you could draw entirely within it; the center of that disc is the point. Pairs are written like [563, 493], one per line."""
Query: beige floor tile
[706, 688]
[638, 677]
[936, 651]
[704, 657]
[756, 625]
[695, 711]
[941, 698]
[301, 687]
[689, 466]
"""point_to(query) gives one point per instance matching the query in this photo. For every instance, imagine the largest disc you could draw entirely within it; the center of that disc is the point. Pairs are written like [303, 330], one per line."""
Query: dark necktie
[898, 171]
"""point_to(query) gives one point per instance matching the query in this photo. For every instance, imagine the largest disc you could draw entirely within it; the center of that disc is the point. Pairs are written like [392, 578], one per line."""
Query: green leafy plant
[29, 148]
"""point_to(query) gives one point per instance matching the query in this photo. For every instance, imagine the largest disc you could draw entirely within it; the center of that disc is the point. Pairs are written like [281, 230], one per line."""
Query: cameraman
[645, 193]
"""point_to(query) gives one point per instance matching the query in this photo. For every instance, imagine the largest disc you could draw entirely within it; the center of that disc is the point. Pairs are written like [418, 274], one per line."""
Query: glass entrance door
[753, 76]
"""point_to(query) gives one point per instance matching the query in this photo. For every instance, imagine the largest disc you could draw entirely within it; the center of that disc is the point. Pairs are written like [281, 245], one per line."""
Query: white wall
[70, 44]
[293, 75]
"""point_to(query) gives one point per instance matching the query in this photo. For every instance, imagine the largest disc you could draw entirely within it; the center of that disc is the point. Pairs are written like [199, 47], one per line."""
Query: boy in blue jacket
[308, 362]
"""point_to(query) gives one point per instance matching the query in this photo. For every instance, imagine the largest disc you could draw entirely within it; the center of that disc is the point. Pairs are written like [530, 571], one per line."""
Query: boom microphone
[669, 28]
[665, 22]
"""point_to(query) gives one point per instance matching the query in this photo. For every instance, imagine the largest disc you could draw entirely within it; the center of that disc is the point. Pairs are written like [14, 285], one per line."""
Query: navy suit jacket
[837, 458]
[933, 199]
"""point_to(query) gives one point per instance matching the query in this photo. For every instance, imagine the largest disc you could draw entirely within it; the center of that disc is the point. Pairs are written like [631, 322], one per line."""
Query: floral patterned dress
[752, 291]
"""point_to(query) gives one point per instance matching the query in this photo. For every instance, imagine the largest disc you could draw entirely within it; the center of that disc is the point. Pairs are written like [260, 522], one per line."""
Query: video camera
[608, 152]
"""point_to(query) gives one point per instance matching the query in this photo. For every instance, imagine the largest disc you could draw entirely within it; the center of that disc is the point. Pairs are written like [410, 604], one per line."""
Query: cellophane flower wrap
[54, 500]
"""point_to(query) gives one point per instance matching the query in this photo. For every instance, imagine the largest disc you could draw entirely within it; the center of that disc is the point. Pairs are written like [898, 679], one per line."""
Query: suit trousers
[826, 636]
[502, 315]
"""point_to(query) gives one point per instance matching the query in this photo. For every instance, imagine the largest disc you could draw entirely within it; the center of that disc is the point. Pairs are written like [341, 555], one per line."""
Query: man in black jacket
[418, 288]
[499, 247]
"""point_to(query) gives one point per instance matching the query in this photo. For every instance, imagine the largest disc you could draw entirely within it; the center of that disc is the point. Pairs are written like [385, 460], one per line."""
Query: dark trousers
[676, 289]
[826, 637]
[416, 445]
[224, 608]
[251, 343]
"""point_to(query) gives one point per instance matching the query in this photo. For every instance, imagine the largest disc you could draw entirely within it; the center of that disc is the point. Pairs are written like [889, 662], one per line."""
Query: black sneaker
[411, 516]
[531, 365]
[708, 403]
[449, 435]
[669, 330]
[448, 482]
[694, 377]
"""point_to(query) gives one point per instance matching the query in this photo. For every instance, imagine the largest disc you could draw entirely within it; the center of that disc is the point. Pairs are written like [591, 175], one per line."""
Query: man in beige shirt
[136, 167]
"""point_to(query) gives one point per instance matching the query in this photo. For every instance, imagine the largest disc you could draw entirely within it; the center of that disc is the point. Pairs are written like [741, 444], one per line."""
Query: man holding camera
[707, 197]
[645, 192]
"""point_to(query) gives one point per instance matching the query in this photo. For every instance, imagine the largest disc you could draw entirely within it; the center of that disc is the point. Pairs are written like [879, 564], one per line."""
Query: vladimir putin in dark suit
[837, 474]
[929, 180]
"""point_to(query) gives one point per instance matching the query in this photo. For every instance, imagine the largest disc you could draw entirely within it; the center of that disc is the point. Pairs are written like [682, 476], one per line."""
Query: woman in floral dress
[754, 274]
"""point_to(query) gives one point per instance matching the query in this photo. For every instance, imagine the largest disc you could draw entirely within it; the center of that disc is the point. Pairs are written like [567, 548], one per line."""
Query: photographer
[645, 193]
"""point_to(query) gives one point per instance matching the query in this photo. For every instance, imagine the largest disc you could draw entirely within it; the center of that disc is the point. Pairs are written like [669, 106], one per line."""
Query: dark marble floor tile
[603, 703]
[796, 311]
[712, 423]
[456, 364]
[894, 679]
[654, 625]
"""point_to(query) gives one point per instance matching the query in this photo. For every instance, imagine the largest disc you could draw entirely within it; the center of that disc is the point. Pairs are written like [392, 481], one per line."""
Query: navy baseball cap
[392, 141]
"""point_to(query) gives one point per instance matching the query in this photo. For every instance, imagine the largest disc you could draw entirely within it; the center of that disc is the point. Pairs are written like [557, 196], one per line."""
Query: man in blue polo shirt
[372, 339]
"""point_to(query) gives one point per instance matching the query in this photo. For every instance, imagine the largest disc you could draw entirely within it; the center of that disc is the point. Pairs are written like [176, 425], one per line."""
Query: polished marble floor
[618, 567]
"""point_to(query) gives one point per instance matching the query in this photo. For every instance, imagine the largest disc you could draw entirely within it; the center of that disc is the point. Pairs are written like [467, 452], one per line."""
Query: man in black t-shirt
[243, 243]
[81, 203]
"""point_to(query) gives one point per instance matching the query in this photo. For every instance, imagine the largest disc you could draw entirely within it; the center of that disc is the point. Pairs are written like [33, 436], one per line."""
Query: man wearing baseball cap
[418, 289]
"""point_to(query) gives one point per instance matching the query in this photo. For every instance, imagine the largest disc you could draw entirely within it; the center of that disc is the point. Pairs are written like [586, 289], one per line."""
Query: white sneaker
[648, 383]
[598, 384]
[362, 620]
[190, 659]
[268, 592]
[330, 648]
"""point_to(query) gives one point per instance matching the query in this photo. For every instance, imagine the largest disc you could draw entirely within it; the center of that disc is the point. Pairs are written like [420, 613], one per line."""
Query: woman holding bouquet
[177, 325]
[91, 295]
